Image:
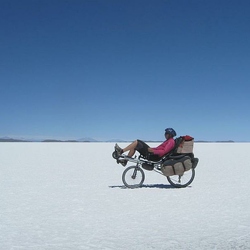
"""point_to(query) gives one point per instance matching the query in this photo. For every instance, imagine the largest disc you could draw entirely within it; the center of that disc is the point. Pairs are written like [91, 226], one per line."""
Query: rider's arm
[150, 150]
[164, 148]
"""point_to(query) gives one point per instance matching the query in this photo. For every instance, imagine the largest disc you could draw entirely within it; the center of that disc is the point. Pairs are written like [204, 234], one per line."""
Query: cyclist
[153, 154]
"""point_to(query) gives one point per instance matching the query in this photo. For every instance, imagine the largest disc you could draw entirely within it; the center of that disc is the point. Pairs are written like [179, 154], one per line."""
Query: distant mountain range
[86, 139]
[7, 139]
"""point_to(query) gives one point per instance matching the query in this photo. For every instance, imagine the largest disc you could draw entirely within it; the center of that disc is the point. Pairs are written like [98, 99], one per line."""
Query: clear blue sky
[125, 69]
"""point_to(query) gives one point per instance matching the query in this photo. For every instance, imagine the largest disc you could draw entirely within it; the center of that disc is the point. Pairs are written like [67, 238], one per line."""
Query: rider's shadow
[160, 186]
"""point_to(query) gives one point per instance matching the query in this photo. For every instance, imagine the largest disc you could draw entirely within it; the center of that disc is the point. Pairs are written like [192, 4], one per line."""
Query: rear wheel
[133, 177]
[184, 180]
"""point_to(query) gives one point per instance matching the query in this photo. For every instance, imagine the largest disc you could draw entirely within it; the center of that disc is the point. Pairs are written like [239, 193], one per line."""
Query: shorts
[142, 148]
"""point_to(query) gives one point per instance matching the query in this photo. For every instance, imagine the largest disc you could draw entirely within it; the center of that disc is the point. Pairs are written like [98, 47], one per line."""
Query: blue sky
[125, 69]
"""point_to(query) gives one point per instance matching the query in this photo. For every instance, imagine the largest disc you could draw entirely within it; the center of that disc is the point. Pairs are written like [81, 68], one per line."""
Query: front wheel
[184, 180]
[133, 177]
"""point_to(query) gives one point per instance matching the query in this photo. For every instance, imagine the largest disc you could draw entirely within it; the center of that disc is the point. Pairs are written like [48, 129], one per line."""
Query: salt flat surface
[58, 196]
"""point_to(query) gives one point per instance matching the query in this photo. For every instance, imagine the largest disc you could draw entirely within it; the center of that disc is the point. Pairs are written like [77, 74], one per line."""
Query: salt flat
[57, 196]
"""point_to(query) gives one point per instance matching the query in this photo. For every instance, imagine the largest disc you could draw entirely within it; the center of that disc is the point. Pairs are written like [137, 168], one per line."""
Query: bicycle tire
[181, 181]
[133, 177]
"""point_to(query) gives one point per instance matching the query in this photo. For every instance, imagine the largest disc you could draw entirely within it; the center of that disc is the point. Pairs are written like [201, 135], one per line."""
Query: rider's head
[170, 132]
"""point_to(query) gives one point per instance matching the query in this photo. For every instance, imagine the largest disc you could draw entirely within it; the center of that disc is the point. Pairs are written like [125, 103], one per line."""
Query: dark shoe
[118, 149]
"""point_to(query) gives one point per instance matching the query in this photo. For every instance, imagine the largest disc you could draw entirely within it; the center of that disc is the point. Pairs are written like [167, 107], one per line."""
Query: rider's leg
[131, 148]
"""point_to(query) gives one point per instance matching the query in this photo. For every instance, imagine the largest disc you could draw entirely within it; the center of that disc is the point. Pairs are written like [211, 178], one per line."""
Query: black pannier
[148, 166]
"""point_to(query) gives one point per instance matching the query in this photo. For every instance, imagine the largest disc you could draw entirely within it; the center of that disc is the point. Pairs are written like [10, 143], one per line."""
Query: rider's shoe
[118, 149]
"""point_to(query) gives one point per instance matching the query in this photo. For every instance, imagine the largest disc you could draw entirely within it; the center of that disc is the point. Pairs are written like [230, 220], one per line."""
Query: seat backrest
[178, 141]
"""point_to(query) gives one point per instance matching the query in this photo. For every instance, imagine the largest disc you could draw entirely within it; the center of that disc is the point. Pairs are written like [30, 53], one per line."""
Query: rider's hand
[150, 150]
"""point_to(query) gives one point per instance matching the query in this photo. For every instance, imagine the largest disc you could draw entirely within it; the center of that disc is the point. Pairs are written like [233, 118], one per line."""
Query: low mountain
[87, 139]
[8, 139]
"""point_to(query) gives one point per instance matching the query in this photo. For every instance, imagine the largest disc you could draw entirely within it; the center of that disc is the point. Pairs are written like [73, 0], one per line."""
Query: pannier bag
[176, 166]
[195, 162]
[186, 146]
[147, 166]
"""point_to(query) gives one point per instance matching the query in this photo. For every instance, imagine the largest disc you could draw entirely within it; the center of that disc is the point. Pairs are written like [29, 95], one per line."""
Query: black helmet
[170, 131]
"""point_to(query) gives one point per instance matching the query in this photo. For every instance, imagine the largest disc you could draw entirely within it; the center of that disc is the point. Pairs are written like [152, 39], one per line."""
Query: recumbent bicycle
[178, 165]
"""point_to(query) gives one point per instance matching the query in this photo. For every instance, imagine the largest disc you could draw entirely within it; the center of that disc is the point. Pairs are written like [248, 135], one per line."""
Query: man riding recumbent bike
[178, 165]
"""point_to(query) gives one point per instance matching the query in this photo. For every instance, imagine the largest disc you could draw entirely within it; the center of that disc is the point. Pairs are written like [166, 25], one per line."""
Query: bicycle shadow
[159, 186]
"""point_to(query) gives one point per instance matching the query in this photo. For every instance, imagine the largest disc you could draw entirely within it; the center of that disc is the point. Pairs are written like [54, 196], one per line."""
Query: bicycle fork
[135, 171]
